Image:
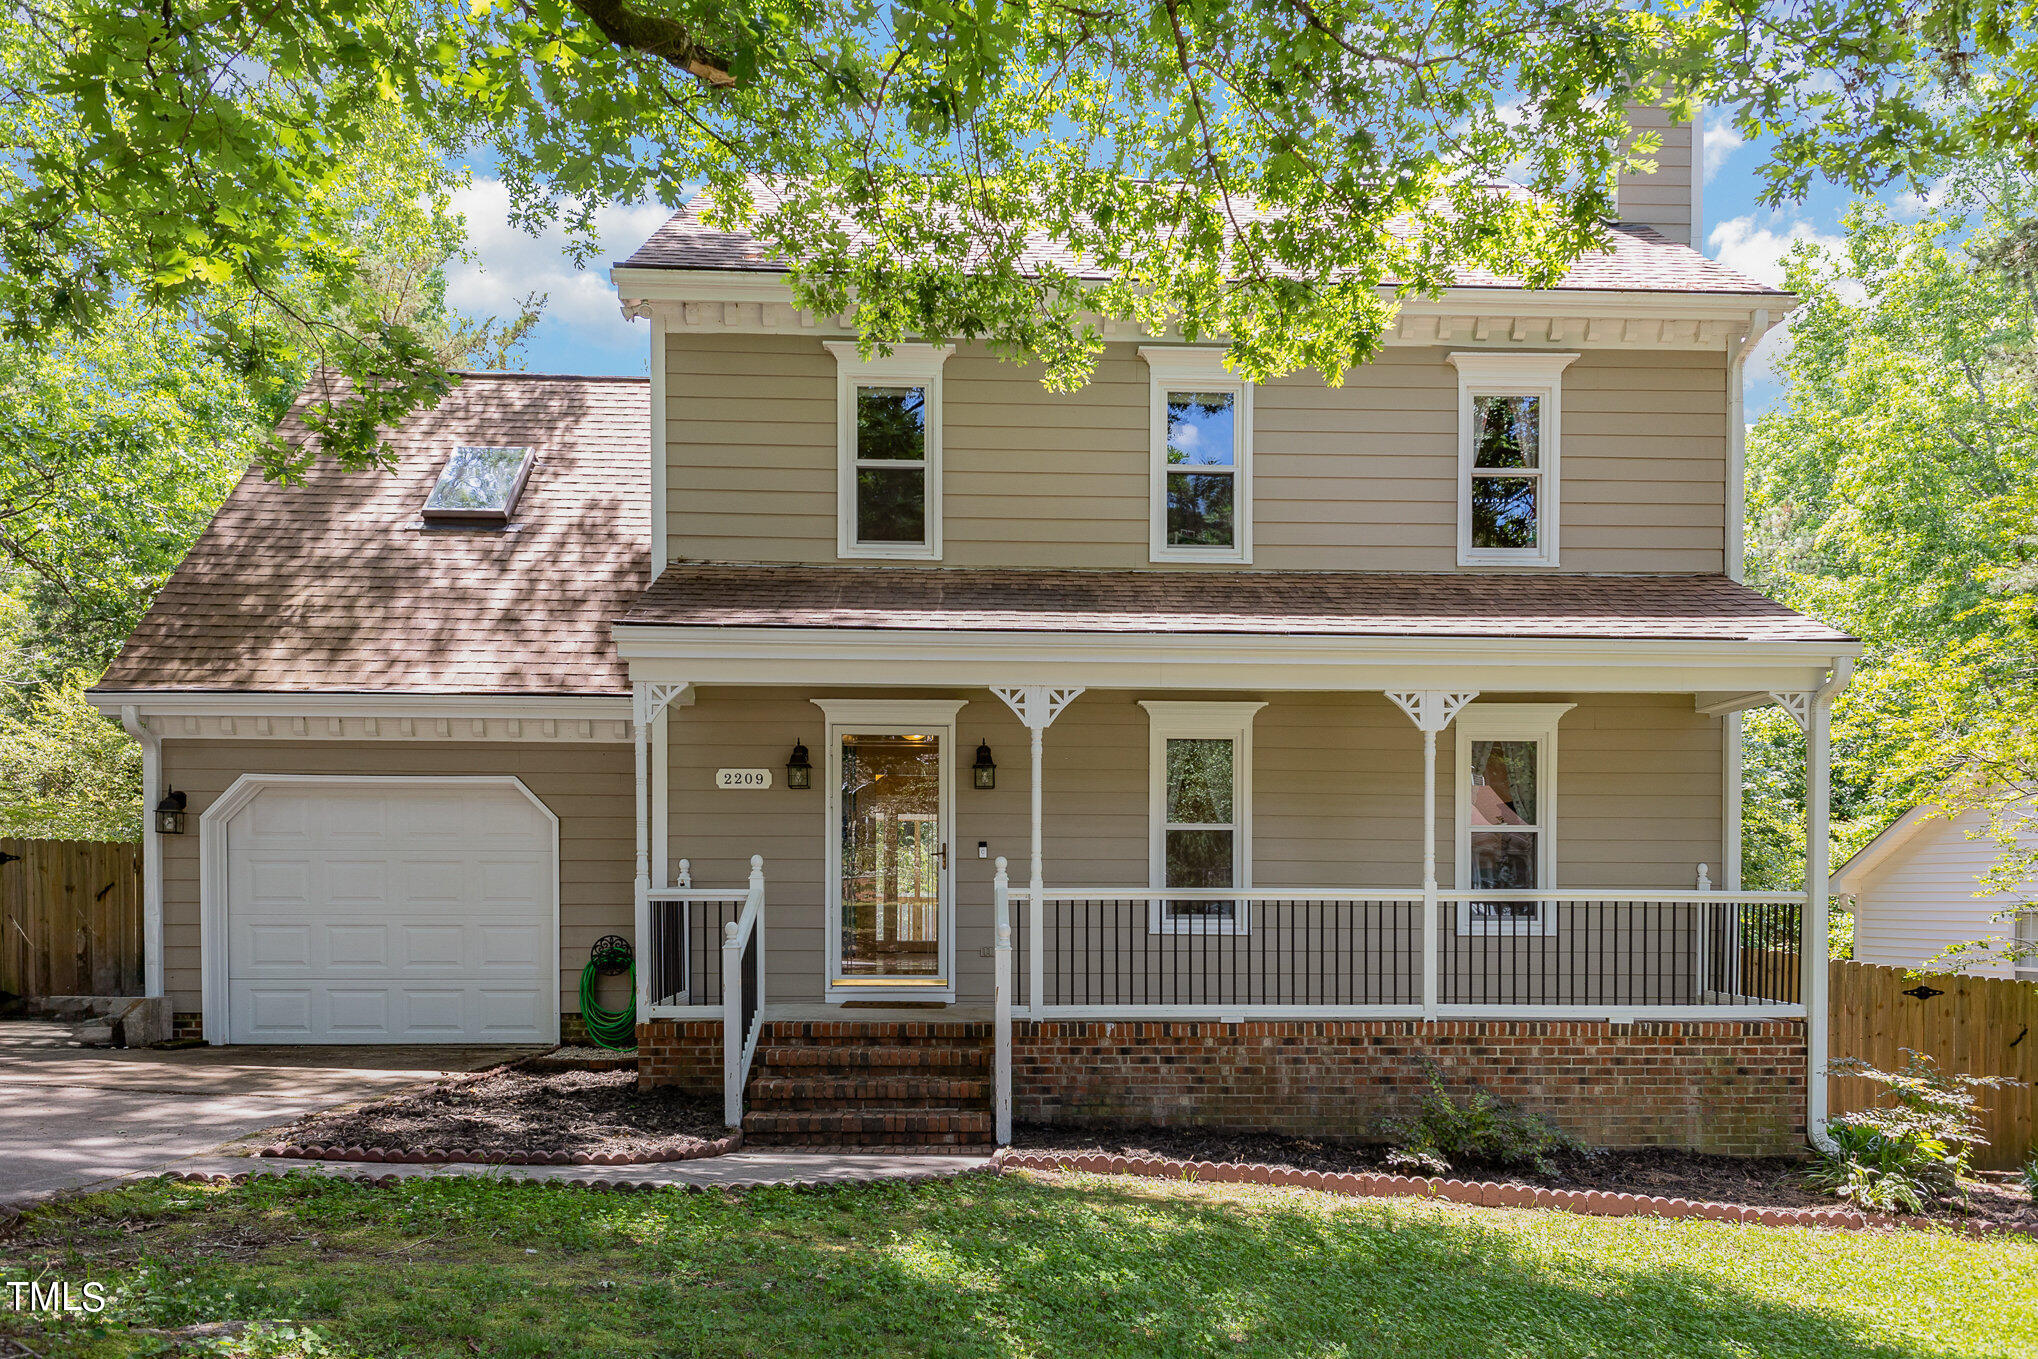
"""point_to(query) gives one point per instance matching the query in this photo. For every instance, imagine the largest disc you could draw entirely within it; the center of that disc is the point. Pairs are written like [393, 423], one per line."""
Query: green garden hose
[611, 956]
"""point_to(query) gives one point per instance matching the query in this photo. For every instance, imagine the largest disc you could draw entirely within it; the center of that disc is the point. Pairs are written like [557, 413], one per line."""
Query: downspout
[152, 849]
[1736, 515]
[1737, 439]
[1818, 787]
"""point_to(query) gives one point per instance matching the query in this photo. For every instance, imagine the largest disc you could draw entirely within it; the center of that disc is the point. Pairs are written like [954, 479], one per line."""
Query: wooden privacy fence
[1980, 1026]
[71, 911]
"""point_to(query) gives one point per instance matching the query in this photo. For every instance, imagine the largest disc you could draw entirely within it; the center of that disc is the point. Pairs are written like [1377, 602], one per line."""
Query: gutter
[152, 849]
[1818, 1006]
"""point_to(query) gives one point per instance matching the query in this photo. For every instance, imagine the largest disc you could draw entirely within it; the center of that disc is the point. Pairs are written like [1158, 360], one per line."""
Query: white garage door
[382, 912]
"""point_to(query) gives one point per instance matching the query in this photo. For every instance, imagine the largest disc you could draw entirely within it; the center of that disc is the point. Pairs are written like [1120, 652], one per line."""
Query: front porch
[1628, 993]
[1267, 805]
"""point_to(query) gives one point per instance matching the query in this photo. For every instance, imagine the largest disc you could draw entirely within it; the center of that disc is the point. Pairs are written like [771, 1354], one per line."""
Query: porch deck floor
[879, 1014]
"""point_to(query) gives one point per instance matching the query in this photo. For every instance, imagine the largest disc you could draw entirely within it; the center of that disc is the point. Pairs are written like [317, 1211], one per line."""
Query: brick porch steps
[856, 1084]
[918, 1059]
[862, 1127]
[905, 1092]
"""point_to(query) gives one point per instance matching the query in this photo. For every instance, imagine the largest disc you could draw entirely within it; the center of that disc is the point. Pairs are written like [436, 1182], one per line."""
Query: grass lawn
[1018, 1265]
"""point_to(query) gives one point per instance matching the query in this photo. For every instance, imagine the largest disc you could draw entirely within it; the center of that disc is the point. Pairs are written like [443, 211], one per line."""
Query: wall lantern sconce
[170, 814]
[799, 770]
[985, 771]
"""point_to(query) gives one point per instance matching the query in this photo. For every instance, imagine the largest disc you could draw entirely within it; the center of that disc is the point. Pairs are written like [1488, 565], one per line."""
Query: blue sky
[583, 332]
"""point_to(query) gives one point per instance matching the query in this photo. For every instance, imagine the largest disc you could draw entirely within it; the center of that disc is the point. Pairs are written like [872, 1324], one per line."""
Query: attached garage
[380, 910]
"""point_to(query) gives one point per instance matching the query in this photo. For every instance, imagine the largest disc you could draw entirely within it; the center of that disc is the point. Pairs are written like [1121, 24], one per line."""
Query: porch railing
[1299, 952]
[742, 994]
[703, 956]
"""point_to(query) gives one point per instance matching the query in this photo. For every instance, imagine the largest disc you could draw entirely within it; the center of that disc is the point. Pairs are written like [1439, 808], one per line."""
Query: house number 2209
[742, 778]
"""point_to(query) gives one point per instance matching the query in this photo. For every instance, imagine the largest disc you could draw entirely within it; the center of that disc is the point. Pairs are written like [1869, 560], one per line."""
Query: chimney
[1669, 198]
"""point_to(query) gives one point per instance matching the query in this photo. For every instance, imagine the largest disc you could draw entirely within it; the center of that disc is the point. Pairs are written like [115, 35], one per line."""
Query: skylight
[479, 485]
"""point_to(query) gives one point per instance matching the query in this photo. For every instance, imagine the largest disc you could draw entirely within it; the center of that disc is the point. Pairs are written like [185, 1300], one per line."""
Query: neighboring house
[1913, 891]
[1325, 729]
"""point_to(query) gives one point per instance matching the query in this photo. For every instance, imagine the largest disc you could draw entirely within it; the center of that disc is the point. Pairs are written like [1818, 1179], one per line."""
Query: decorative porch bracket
[1431, 710]
[1036, 705]
[647, 701]
[1799, 706]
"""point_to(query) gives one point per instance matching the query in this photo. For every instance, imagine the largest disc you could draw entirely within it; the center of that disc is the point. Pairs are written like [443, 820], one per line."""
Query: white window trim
[862, 716]
[1191, 721]
[1484, 373]
[1510, 722]
[908, 365]
[1181, 368]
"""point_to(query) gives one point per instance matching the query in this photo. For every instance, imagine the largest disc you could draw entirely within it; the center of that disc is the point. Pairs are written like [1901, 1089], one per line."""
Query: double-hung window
[1509, 437]
[1507, 807]
[1200, 811]
[888, 455]
[1201, 476]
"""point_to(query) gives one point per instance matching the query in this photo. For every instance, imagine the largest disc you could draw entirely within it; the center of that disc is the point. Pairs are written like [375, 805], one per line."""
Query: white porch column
[648, 702]
[1431, 710]
[1037, 705]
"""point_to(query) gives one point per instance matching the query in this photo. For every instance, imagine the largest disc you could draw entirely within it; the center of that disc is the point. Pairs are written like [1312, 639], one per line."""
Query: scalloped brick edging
[1487, 1194]
[620, 1184]
[441, 1156]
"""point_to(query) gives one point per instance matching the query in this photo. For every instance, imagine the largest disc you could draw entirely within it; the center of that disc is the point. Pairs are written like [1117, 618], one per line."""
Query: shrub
[2031, 1178]
[1913, 1147]
[1475, 1130]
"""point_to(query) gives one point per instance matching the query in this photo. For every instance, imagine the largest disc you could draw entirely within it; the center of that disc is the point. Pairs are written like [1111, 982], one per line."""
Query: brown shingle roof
[1639, 259]
[331, 585]
[1297, 603]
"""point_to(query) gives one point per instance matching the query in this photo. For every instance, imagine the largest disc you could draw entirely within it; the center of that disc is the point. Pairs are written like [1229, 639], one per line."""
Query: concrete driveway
[72, 1116]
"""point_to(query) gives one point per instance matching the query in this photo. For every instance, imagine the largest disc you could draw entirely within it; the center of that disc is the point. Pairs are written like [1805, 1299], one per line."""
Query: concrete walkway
[738, 1170]
[72, 1116]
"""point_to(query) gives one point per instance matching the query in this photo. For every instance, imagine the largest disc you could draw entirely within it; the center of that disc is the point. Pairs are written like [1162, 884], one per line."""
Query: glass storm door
[893, 860]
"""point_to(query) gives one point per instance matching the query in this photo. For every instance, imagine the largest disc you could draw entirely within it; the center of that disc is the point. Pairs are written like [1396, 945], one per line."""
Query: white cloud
[1758, 252]
[1721, 142]
[1913, 205]
[508, 263]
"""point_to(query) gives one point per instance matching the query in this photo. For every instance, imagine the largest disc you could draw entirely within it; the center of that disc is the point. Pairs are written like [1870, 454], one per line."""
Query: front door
[889, 911]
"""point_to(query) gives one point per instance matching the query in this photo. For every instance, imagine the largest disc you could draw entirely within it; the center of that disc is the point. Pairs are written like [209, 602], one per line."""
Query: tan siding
[1337, 786]
[589, 788]
[1359, 477]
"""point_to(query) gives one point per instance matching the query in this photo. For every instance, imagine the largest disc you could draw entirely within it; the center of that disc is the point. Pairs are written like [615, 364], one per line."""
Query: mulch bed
[1759, 1182]
[512, 1115]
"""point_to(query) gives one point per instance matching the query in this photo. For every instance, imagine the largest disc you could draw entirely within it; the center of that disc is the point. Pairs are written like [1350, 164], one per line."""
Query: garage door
[385, 912]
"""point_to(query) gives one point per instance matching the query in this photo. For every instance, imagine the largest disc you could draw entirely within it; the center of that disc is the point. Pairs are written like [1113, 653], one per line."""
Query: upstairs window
[1508, 444]
[888, 420]
[479, 485]
[1202, 450]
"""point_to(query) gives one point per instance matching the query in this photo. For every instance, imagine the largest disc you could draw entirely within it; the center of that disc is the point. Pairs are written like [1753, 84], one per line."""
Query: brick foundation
[187, 1024]
[1731, 1088]
[686, 1053]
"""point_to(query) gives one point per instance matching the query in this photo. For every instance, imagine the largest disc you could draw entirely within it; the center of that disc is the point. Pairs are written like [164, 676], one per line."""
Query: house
[1917, 888]
[1178, 749]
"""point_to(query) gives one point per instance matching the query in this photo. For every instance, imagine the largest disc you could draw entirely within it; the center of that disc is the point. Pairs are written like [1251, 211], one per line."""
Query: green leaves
[1892, 494]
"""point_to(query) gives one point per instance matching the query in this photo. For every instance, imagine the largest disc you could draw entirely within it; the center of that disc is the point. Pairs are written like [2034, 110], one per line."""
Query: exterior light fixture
[170, 814]
[985, 770]
[799, 770]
